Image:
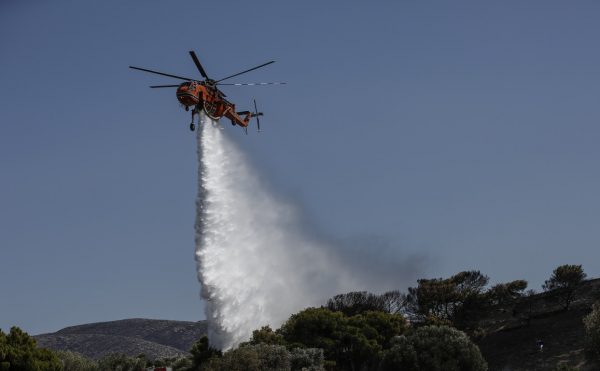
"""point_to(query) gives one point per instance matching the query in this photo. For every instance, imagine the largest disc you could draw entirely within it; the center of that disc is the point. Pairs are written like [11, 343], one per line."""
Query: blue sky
[464, 132]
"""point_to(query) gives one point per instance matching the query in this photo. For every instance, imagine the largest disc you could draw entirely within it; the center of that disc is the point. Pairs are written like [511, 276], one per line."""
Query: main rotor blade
[164, 86]
[251, 69]
[198, 65]
[255, 83]
[161, 73]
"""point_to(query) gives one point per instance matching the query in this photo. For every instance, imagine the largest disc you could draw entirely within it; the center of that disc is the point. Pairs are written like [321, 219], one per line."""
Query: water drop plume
[256, 265]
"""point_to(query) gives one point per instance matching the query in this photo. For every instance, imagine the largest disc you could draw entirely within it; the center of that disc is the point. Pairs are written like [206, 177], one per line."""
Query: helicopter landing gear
[187, 108]
[192, 125]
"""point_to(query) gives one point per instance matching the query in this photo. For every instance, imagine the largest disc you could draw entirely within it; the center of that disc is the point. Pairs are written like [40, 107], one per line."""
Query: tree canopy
[434, 348]
[19, 351]
[445, 298]
[348, 342]
[565, 278]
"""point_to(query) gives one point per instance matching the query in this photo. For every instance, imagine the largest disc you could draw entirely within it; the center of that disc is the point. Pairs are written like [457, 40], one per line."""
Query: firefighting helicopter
[205, 95]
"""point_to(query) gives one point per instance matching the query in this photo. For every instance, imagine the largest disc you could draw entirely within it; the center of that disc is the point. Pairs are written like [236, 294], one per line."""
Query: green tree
[73, 361]
[565, 278]
[272, 357]
[314, 328]
[401, 356]
[19, 351]
[260, 357]
[348, 343]
[591, 323]
[470, 296]
[307, 359]
[434, 348]
[357, 302]
[182, 364]
[202, 352]
[447, 298]
[469, 283]
[266, 336]
[436, 297]
[506, 293]
[121, 362]
[379, 326]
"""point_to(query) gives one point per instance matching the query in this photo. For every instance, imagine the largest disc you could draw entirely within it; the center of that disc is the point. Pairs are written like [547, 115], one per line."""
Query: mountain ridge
[153, 337]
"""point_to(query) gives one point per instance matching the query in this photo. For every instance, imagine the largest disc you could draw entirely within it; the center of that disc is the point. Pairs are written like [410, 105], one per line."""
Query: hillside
[154, 338]
[511, 333]
[506, 335]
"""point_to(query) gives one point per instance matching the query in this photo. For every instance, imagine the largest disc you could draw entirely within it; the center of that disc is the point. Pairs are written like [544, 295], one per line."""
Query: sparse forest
[439, 324]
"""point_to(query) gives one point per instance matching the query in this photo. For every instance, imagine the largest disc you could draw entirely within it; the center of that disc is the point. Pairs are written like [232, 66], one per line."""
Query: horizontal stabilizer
[248, 112]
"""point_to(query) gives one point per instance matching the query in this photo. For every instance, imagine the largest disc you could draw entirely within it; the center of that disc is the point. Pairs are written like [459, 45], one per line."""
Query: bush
[266, 336]
[307, 359]
[347, 342]
[176, 363]
[401, 356]
[181, 364]
[121, 362]
[434, 348]
[202, 352]
[591, 323]
[73, 361]
[261, 357]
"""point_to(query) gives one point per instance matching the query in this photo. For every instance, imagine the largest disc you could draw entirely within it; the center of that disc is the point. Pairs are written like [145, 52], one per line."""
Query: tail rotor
[256, 114]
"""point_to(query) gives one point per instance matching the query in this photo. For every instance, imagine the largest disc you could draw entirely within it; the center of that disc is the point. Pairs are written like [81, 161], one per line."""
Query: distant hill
[509, 343]
[154, 338]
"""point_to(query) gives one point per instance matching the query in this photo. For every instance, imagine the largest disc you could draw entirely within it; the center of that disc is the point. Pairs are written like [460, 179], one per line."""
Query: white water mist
[255, 265]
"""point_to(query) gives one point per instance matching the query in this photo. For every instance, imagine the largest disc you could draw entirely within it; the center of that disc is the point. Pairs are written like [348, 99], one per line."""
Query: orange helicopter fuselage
[211, 100]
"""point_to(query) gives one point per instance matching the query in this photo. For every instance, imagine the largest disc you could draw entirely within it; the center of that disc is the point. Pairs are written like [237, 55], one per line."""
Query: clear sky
[465, 132]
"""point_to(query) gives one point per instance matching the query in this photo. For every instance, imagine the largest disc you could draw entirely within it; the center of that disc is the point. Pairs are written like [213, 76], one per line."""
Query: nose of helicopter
[187, 95]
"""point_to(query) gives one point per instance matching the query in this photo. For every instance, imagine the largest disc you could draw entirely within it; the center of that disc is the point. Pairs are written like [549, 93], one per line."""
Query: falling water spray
[255, 264]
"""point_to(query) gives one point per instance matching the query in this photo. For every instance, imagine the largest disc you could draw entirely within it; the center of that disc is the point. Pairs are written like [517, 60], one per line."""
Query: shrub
[266, 336]
[401, 356]
[73, 361]
[261, 357]
[347, 342]
[591, 323]
[202, 352]
[434, 348]
[308, 359]
[121, 362]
